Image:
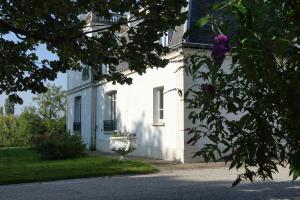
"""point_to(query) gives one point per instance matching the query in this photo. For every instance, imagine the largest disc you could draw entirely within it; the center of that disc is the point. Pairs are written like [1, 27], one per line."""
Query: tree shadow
[168, 187]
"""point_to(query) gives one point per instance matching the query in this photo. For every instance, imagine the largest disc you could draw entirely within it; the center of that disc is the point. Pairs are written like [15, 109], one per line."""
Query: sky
[61, 80]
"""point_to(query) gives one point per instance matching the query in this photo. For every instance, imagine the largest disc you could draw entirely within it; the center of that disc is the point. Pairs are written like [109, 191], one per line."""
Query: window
[113, 106]
[166, 38]
[77, 114]
[104, 69]
[110, 111]
[85, 73]
[158, 106]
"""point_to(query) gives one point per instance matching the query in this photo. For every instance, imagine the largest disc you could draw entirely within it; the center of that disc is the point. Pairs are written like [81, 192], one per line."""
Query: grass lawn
[20, 165]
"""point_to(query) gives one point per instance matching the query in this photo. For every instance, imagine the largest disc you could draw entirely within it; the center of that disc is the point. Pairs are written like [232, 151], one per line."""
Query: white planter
[123, 145]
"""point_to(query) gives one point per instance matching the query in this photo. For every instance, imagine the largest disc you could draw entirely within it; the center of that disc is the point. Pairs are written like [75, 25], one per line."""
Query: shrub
[15, 131]
[55, 126]
[20, 130]
[30, 126]
[8, 133]
[61, 146]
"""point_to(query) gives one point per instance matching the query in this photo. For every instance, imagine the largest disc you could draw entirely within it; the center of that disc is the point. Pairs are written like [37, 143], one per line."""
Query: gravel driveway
[212, 183]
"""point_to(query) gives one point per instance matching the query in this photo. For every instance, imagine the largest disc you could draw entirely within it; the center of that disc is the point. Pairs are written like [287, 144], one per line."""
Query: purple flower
[209, 88]
[221, 46]
[224, 39]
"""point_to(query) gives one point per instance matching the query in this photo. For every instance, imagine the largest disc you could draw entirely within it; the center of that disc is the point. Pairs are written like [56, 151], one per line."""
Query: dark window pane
[85, 74]
[161, 114]
[77, 109]
[113, 106]
[161, 99]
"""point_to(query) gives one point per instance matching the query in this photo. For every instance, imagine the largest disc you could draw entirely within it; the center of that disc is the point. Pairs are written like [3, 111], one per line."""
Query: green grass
[22, 165]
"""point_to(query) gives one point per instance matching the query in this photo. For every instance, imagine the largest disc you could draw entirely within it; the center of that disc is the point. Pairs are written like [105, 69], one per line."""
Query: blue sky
[27, 96]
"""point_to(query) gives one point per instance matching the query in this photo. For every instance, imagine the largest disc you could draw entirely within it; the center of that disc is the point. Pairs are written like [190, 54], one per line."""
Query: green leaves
[203, 21]
[52, 104]
[199, 23]
[253, 117]
[61, 27]
[295, 165]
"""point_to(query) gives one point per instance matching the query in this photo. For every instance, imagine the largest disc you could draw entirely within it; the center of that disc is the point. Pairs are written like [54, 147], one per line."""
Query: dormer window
[165, 40]
[104, 69]
[85, 73]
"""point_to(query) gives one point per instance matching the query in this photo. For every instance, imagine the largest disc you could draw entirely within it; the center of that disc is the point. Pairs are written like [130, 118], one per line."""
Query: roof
[198, 38]
[203, 35]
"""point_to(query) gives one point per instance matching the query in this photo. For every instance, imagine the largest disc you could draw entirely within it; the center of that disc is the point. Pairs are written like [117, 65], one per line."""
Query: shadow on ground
[168, 187]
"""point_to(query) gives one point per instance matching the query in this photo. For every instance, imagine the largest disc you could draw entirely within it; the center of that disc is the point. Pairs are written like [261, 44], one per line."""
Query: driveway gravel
[194, 184]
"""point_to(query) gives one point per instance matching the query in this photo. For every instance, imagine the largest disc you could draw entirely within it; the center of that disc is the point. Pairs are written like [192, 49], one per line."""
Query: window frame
[77, 110]
[111, 107]
[158, 106]
[85, 74]
[113, 102]
[77, 114]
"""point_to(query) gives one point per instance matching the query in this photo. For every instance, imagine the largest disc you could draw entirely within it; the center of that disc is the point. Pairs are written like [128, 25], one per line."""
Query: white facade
[135, 111]
[137, 108]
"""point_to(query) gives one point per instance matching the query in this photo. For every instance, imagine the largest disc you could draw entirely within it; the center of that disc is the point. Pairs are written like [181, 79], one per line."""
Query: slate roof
[203, 35]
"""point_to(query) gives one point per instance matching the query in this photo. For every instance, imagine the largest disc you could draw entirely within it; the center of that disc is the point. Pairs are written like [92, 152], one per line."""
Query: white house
[157, 117]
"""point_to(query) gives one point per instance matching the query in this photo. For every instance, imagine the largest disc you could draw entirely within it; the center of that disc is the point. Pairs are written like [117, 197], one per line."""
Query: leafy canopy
[51, 104]
[251, 111]
[58, 25]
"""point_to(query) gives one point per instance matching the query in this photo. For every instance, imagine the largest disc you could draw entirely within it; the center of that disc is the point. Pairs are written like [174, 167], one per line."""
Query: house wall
[74, 80]
[135, 112]
[86, 116]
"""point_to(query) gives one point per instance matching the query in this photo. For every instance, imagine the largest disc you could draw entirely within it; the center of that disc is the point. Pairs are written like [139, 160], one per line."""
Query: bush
[30, 125]
[8, 131]
[20, 130]
[61, 146]
[16, 131]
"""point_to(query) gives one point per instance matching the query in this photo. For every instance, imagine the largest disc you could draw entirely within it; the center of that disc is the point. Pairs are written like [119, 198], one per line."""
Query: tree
[59, 26]
[52, 104]
[9, 106]
[261, 89]
[51, 109]
[1, 110]
[30, 126]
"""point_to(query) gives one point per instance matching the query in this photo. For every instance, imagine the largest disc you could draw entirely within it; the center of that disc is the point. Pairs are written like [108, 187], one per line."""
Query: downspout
[93, 115]
[93, 105]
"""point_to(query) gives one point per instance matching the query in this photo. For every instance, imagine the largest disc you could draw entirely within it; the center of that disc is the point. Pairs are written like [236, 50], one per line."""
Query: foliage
[1, 110]
[51, 108]
[21, 165]
[251, 109]
[117, 133]
[31, 125]
[61, 146]
[8, 132]
[35, 125]
[9, 107]
[52, 104]
[20, 130]
[60, 27]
